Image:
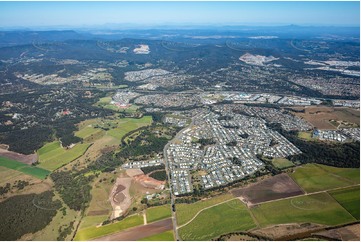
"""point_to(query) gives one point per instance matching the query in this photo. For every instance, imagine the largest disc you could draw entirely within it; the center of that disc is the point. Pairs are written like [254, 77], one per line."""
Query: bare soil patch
[140, 232]
[134, 172]
[98, 212]
[26, 159]
[149, 182]
[347, 233]
[287, 231]
[119, 197]
[276, 187]
[320, 116]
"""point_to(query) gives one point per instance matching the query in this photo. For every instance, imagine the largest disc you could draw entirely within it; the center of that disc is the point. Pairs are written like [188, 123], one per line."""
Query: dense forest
[26, 214]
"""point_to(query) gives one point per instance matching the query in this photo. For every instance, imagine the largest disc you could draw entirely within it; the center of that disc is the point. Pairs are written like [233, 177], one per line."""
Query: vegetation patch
[318, 208]
[186, 212]
[24, 168]
[53, 156]
[282, 163]
[349, 198]
[159, 175]
[20, 216]
[158, 213]
[95, 232]
[315, 177]
[221, 219]
[165, 236]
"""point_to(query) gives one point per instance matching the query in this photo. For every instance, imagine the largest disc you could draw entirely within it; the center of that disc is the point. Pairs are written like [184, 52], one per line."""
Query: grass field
[186, 212]
[104, 102]
[92, 221]
[7, 174]
[282, 163]
[53, 156]
[315, 177]
[158, 213]
[306, 136]
[349, 198]
[24, 168]
[165, 236]
[94, 232]
[128, 124]
[221, 219]
[318, 208]
[88, 131]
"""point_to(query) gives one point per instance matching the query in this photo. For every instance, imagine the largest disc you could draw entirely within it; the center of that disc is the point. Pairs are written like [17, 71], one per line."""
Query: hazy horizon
[146, 14]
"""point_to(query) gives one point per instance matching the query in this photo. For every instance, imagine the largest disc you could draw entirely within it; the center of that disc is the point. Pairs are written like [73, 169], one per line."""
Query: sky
[33, 14]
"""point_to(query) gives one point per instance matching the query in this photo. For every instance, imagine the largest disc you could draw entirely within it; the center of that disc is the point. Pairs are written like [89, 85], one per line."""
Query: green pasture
[158, 213]
[315, 177]
[186, 212]
[318, 208]
[349, 198]
[282, 163]
[215, 221]
[53, 156]
[94, 232]
[24, 168]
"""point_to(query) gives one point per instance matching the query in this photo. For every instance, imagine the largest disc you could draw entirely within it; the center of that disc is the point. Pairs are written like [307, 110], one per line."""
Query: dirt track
[26, 159]
[140, 232]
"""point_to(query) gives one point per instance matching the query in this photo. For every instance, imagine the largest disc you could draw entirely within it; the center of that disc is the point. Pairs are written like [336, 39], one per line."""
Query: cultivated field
[221, 219]
[349, 198]
[53, 156]
[186, 212]
[128, 124]
[165, 236]
[26, 159]
[282, 163]
[320, 116]
[276, 187]
[318, 208]
[95, 232]
[347, 233]
[158, 213]
[315, 177]
[26, 169]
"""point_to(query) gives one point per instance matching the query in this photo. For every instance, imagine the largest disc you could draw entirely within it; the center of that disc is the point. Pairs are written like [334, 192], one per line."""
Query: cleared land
[94, 232]
[318, 208]
[165, 236]
[215, 221]
[186, 212]
[140, 231]
[320, 116]
[276, 187]
[347, 233]
[26, 169]
[306, 136]
[349, 198]
[315, 177]
[128, 124]
[53, 156]
[282, 163]
[26, 159]
[158, 213]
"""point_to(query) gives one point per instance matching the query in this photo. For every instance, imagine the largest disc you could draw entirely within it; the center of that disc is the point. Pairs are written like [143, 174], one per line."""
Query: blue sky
[30, 14]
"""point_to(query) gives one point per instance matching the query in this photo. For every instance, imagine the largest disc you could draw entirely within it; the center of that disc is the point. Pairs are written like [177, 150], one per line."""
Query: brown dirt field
[98, 212]
[120, 207]
[149, 182]
[134, 172]
[276, 187]
[26, 159]
[287, 231]
[140, 232]
[4, 146]
[347, 233]
[320, 116]
[36, 186]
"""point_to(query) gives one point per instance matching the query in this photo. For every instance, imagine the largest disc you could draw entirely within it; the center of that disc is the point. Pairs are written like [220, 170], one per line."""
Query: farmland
[318, 208]
[26, 169]
[276, 187]
[320, 116]
[53, 156]
[349, 198]
[165, 236]
[186, 212]
[158, 213]
[215, 221]
[315, 177]
[94, 232]
[128, 124]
